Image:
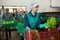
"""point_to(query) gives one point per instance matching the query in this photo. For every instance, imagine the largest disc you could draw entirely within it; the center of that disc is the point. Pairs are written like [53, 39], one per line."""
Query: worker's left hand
[27, 28]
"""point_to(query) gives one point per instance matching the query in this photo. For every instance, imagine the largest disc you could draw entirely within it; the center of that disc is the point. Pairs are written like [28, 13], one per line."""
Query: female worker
[32, 18]
[20, 26]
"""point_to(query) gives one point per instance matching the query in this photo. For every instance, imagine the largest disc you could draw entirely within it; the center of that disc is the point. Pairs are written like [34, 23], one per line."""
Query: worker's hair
[7, 9]
[16, 11]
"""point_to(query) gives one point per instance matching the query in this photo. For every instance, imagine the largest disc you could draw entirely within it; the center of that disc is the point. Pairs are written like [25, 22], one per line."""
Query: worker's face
[7, 11]
[16, 12]
[22, 13]
[35, 9]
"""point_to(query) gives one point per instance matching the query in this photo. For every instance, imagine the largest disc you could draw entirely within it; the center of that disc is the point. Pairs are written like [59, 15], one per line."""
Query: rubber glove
[27, 28]
[42, 25]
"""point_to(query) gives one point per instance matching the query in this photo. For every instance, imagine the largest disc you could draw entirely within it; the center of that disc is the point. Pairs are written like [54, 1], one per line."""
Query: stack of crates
[49, 34]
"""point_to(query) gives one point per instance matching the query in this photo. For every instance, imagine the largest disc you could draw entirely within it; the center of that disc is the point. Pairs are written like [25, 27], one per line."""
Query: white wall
[55, 3]
[44, 4]
[0, 2]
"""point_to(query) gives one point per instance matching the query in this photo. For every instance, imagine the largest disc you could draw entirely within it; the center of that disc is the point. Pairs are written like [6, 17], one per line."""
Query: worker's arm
[25, 21]
[38, 23]
[3, 17]
[11, 16]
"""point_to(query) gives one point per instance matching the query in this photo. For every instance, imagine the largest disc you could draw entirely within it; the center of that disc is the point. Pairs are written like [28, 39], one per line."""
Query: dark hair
[7, 9]
[16, 11]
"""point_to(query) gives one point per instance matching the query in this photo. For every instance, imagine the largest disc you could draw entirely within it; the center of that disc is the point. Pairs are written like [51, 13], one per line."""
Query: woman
[20, 26]
[32, 21]
[32, 18]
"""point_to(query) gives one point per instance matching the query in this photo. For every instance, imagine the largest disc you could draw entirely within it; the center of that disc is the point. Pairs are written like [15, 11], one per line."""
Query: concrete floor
[14, 36]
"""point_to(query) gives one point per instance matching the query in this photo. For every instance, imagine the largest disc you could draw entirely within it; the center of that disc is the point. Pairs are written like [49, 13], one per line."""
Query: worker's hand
[42, 25]
[27, 28]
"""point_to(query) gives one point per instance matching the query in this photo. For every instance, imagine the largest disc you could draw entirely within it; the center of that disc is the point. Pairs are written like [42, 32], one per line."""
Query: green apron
[15, 23]
[8, 23]
[20, 26]
[32, 20]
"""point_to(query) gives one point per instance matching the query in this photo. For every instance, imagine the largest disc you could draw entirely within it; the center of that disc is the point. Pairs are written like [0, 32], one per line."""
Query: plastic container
[49, 34]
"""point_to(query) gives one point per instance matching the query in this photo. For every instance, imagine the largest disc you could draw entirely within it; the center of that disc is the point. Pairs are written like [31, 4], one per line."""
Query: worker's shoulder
[38, 13]
[27, 13]
[4, 14]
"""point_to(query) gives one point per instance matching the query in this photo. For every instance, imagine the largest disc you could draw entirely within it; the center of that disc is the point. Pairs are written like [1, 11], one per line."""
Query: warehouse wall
[44, 4]
[54, 10]
[0, 2]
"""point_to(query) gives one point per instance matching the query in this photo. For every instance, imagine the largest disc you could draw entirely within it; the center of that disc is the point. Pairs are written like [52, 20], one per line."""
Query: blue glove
[42, 25]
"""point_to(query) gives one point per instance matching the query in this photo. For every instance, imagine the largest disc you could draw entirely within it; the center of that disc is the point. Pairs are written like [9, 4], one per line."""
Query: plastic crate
[30, 35]
[49, 34]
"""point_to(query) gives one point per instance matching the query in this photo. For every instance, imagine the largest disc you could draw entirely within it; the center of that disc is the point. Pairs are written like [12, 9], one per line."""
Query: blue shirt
[16, 15]
[7, 16]
[26, 22]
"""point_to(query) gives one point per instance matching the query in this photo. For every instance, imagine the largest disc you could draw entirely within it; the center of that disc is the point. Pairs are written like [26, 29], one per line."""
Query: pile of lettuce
[51, 22]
